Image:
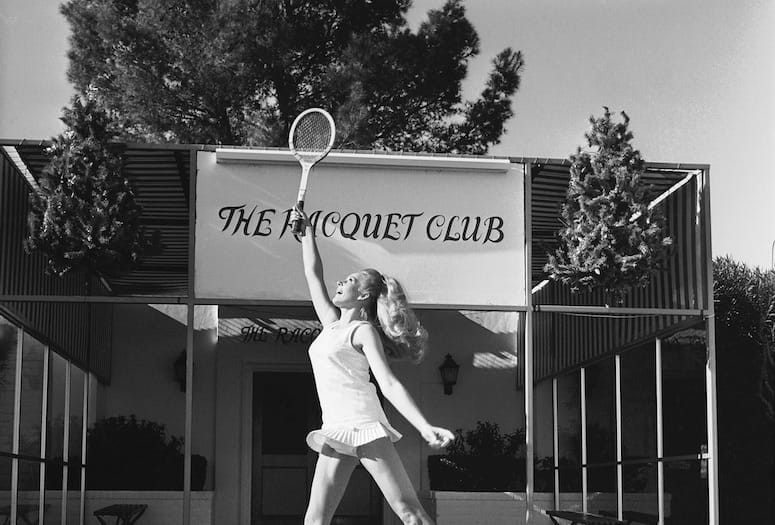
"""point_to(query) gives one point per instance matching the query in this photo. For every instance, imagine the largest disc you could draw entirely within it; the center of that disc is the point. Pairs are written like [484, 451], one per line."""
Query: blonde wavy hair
[403, 337]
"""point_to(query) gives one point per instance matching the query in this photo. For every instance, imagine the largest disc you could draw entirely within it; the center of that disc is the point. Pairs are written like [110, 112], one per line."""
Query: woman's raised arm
[313, 272]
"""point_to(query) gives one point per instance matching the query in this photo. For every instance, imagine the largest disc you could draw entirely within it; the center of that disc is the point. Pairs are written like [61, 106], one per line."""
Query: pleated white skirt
[346, 440]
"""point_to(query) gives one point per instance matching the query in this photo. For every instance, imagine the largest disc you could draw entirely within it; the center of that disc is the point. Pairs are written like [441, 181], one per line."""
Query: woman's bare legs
[332, 472]
[383, 463]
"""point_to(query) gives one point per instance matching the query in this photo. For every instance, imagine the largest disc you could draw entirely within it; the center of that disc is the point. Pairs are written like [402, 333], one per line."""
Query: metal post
[584, 488]
[710, 366]
[17, 405]
[615, 310]
[66, 441]
[528, 365]
[660, 443]
[93, 299]
[189, 408]
[190, 302]
[43, 433]
[619, 470]
[556, 444]
[84, 430]
[700, 299]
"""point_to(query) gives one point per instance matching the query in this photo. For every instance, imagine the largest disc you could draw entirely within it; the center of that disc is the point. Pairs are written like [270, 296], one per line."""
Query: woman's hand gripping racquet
[310, 140]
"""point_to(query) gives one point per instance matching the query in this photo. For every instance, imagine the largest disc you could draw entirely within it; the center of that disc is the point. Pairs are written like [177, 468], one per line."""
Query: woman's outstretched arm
[313, 272]
[367, 339]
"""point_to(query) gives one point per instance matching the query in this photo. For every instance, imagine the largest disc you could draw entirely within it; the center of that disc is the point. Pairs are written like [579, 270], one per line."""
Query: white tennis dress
[352, 414]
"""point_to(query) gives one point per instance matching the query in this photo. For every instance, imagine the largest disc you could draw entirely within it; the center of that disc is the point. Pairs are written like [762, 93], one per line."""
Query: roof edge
[516, 159]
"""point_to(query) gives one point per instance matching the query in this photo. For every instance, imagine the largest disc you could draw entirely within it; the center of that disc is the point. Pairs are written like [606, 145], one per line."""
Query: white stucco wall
[479, 342]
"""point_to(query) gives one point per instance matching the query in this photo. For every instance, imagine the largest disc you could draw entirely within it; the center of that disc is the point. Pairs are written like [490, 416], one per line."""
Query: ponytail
[403, 337]
[406, 337]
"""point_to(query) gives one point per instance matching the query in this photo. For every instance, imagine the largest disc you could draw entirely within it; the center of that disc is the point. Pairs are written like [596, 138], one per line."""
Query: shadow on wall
[486, 342]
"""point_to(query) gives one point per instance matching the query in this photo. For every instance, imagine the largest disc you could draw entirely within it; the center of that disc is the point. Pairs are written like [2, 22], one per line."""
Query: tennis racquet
[310, 140]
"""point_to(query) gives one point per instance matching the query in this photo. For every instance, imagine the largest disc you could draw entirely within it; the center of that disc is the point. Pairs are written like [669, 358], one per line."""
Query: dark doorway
[285, 409]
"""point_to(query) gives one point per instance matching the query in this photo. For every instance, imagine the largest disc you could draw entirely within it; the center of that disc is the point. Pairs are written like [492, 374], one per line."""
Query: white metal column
[660, 443]
[619, 469]
[528, 364]
[66, 442]
[583, 382]
[710, 365]
[43, 433]
[556, 444]
[84, 431]
[17, 405]
[189, 408]
[190, 302]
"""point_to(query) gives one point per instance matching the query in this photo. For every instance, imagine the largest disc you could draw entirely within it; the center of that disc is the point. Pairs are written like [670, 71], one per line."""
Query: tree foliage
[131, 454]
[238, 72]
[610, 239]
[745, 349]
[745, 302]
[482, 459]
[85, 216]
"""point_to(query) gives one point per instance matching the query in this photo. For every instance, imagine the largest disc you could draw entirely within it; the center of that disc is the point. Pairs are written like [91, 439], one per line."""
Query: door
[285, 409]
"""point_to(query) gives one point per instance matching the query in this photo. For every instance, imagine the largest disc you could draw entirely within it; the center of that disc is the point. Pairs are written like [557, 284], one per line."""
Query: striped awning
[80, 331]
[563, 341]
[548, 189]
[159, 176]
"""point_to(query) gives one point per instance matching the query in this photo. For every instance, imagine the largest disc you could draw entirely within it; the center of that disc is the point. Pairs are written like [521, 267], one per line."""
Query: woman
[366, 322]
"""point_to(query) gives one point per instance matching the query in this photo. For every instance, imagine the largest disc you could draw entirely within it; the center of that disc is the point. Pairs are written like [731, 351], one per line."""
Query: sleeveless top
[352, 413]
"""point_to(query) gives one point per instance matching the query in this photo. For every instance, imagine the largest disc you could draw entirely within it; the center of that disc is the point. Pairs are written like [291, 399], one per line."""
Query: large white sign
[450, 230]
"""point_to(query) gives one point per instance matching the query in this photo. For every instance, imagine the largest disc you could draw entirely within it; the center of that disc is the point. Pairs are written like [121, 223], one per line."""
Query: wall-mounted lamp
[179, 368]
[449, 369]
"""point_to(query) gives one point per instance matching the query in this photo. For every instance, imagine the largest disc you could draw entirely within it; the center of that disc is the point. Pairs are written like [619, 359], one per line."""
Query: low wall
[488, 508]
[509, 508]
[449, 507]
[164, 507]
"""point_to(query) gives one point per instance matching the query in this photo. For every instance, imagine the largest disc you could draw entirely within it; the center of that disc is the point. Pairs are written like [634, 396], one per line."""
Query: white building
[618, 403]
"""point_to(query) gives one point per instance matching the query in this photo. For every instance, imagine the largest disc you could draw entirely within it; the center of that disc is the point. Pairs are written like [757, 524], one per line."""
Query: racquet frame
[307, 161]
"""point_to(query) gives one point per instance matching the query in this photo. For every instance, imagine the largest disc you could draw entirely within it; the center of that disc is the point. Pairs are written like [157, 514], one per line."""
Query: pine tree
[610, 239]
[85, 216]
[238, 72]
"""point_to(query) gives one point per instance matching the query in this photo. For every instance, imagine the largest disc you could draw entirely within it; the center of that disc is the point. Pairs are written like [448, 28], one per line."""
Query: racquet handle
[296, 225]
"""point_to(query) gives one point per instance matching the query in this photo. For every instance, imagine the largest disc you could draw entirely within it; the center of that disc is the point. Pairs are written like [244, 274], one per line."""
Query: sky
[696, 77]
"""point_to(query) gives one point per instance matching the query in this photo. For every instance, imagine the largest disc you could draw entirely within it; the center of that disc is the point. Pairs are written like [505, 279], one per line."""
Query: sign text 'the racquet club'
[252, 222]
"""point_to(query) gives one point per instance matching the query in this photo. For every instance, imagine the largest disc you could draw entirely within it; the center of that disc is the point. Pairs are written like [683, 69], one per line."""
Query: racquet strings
[312, 135]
